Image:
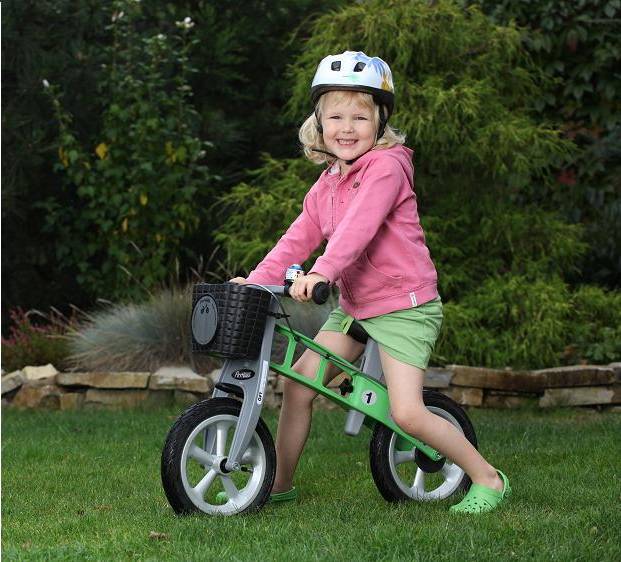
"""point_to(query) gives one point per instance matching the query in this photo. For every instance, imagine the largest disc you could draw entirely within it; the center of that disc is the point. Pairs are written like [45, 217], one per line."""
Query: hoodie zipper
[333, 190]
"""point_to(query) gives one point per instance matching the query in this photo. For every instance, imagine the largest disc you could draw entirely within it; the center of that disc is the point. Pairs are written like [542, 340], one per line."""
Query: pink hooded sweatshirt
[376, 251]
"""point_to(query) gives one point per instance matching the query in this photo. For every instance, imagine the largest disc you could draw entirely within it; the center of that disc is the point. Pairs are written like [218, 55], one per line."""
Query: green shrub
[261, 211]
[531, 323]
[471, 241]
[578, 45]
[132, 185]
[510, 320]
[32, 343]
[595, 324]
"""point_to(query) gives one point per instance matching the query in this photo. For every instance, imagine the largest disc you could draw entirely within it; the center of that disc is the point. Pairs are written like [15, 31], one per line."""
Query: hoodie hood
[399, 152]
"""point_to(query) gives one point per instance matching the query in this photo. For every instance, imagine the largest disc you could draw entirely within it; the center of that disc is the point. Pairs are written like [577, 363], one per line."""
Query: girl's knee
[411, 418]
[298, 393]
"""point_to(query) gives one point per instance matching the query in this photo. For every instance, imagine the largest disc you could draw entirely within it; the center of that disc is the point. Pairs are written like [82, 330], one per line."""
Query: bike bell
[293, 272]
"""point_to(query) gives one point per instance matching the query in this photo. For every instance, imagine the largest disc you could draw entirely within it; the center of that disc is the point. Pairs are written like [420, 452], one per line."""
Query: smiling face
[349, 124]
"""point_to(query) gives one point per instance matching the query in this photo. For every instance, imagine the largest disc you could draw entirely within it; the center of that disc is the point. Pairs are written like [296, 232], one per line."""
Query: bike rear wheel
[194, 457]
[401, 472]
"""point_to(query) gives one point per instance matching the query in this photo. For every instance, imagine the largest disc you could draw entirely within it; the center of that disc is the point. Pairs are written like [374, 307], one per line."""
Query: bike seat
[357, 332]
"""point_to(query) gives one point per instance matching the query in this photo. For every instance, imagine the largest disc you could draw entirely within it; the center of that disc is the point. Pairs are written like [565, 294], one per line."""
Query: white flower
[187, 23]
[46, 84]
[161, 37]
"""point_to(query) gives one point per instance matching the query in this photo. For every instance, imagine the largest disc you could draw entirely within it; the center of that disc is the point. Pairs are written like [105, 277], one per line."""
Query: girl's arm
[381, 190]
[300, 241]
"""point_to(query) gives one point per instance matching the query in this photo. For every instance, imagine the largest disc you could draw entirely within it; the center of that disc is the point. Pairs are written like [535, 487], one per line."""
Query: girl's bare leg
[405, 391]
[296, 412]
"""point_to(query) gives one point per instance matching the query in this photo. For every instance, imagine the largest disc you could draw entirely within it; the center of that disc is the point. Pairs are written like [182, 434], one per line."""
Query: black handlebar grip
[321, 292]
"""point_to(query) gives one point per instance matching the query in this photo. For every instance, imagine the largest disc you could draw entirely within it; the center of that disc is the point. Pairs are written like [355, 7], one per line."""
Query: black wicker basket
[228, 319]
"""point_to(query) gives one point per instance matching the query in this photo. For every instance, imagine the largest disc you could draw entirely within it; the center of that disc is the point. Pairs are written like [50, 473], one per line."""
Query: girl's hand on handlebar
[302, 288]
[238, 280]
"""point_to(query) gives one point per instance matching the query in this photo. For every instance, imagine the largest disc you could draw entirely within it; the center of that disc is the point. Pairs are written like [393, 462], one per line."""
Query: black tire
[392, 478]
[180, 467]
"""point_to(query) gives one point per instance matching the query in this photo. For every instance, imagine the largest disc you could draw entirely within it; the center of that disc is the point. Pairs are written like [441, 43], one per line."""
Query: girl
[364, 205]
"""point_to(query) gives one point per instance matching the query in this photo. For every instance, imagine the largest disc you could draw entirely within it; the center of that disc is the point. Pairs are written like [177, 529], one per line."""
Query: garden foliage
[466, 91]
[239, 90]
[512, 109]
[53, 39]
[132, 184]
[261, 209]
[577, 43]
[36, 339]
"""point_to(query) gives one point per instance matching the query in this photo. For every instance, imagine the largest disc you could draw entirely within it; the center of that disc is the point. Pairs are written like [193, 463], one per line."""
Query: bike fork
[246, 379]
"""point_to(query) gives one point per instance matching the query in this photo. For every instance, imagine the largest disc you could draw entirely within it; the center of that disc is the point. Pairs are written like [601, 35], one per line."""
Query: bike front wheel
[401, 472]
[194, 457]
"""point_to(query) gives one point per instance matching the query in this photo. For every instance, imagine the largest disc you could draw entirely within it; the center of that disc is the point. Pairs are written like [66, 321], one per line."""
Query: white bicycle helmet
[353, 70]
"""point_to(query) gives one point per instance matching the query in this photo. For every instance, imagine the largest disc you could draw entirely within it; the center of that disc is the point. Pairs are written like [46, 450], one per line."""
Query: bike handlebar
[321, 291]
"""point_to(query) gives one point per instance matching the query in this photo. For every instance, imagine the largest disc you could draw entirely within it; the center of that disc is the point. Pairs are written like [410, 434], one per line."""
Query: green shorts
[407, 335]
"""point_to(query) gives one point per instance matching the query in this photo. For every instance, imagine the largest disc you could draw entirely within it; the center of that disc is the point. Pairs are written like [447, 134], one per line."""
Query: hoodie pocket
[368, 283]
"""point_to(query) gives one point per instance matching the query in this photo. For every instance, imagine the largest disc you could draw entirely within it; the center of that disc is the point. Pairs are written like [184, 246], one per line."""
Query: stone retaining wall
[45, 387]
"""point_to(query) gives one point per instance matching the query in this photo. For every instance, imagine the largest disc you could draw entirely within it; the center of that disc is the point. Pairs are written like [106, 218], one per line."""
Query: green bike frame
[368, 396]
[367, 401]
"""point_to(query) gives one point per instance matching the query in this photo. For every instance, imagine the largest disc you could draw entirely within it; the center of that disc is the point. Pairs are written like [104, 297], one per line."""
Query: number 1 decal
[369, 397]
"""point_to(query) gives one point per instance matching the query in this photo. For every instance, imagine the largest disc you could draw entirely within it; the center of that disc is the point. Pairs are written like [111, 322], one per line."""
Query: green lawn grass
[86, 486]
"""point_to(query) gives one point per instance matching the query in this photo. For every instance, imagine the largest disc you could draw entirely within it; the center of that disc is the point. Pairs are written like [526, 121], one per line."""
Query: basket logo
[242, 374]
[204, 320]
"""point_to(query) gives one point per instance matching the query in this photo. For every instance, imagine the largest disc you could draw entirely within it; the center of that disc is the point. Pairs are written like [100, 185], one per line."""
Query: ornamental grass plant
[135, 337]
[155, 333]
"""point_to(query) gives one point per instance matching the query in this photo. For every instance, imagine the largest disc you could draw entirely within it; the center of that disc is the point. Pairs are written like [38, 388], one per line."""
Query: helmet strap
[319, 126]
[383, 120]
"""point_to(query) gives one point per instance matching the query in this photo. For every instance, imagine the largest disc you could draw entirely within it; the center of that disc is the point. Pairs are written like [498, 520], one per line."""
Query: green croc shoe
[481, 499]
[284, 496]
[222, 498]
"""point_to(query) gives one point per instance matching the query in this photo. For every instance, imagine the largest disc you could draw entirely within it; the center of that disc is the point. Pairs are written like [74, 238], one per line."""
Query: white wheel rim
[215, 432]
[420, 488]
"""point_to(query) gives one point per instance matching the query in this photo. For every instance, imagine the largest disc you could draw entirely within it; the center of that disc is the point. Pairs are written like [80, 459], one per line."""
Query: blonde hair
[311, 138]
